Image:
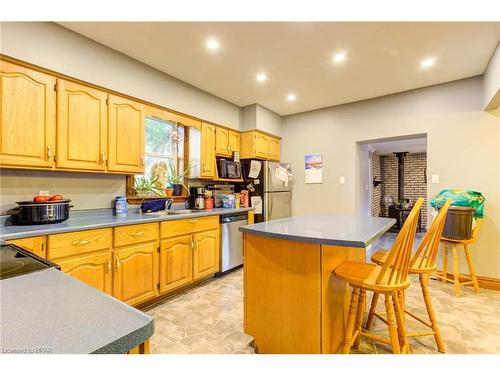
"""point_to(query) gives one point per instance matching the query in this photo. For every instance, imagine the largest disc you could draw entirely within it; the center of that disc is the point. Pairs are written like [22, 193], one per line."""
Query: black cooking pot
[51, 212]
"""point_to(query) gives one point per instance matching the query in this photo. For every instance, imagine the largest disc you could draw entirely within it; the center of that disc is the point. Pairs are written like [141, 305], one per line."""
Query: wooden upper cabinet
[274, 148]
[125, 135]
[136, 269]
[207, 150]
[81, 127]
[28, 104]
[206, 254]
[234, 141]
[94, 270]
[261, 145]
[176, 258]
[222, 141]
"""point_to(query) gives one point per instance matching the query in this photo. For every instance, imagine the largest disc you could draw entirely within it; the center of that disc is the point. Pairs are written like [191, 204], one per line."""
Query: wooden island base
[292, 303]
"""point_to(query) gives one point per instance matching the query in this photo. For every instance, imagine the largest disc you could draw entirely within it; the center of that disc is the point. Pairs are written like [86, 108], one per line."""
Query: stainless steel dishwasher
[231, 241]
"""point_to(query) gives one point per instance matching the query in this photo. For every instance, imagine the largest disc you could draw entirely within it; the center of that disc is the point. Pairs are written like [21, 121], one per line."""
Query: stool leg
[430, 311]
[371, 313]
[456, 275]
[391, 324]
[350, 321]
[400, 321]
[471, 269]
[445, 262]
[359, 317]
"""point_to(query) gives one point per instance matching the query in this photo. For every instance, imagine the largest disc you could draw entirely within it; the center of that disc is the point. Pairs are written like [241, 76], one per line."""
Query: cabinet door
[27, 117]
[176, 262]
[136, 272]
[206, 254]
[274, 148]
[81, 127]
[261, 145]
[222, 141]
[234, 141]
[94, 269]
[34, 244]
[207, 150]
[125, 135]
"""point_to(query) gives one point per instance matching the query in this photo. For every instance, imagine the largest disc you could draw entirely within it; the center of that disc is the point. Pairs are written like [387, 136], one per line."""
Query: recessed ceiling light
[339, 57]
[261, 77]
[213, 44]
[291, 97]
[427, 63]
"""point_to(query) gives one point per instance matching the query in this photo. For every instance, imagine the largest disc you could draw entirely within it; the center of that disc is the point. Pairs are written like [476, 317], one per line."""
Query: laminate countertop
[94, 219]
[50, 312]
[326, 229]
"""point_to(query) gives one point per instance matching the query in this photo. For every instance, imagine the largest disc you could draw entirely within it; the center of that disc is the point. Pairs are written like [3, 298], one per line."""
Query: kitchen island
[292, 302]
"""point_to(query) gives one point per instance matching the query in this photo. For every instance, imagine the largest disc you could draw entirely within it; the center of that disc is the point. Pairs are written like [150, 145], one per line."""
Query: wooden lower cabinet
[176, 262]
[37, 245]
[94, 270]
[205, 254]
[135, 276]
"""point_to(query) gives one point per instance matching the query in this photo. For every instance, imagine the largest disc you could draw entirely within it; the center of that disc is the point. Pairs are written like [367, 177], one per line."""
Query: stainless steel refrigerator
[275, 193]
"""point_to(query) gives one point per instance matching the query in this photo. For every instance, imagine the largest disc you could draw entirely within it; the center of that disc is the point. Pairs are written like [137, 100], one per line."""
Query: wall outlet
[342, 180]
[43, 192]
[435, 179]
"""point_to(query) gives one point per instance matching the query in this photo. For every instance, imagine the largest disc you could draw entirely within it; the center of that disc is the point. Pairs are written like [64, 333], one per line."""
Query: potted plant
[175, 179]
[146, 187]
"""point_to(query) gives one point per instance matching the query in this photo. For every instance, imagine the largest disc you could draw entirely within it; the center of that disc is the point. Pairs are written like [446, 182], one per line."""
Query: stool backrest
[428, 248]
[398, 259]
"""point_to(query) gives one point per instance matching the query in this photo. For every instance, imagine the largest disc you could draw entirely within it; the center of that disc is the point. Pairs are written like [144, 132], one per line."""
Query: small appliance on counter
[229, 169]
[196, 198]
[15, 261]
[48, 212]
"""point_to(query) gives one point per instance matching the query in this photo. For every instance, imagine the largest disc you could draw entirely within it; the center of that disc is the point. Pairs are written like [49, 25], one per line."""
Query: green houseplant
[147, 187]
[175, 178]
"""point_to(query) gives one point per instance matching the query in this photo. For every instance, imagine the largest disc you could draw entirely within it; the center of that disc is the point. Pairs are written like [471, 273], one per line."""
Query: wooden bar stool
[389, 279]
[471, 278]
[422, 264]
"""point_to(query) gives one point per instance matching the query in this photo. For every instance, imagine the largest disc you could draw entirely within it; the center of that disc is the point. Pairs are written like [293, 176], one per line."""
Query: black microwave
[229, 169]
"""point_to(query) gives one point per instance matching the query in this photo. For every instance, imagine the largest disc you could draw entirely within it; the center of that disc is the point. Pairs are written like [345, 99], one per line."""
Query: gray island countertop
[100, 218]
[326, 229]
[49, 312]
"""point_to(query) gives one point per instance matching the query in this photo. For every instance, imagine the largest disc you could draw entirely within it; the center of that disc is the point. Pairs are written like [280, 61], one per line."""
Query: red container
[209, 203]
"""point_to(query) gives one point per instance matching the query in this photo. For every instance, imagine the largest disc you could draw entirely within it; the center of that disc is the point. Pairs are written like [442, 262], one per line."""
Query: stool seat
[364, 275]
[380, 256]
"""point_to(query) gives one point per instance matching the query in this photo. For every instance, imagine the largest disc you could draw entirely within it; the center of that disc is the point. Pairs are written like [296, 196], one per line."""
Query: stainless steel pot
[30, 212]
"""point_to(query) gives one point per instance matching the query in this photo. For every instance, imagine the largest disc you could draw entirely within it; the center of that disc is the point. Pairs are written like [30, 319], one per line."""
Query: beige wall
[86, 190]
[463, 148]
[54, 47]
[491, 87]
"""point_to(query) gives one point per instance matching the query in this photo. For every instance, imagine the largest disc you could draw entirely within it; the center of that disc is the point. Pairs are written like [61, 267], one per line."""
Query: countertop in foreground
[50, 312]
[326, 229]
[94, 219]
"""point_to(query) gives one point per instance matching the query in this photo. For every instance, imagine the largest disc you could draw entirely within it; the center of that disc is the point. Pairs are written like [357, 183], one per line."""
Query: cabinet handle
[194, 221]
[49, 153]
[142, 159]
[108, 264]
[197, 244]
[117, 263]
[103, 157]
[81, 242]
[204, 168]
[137, 234]
[192, 245]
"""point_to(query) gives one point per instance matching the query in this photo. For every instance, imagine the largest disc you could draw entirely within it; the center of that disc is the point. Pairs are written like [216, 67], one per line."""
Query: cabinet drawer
[66, 244]
[132, 234]
[186, 226]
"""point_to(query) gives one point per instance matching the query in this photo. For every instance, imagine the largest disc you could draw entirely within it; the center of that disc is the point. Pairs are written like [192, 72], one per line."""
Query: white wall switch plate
[43, 192]
[435, 179]
[342, 180]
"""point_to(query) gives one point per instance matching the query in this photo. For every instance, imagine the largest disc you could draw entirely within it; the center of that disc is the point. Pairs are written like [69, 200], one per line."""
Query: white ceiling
[382, 58]
[412, 145]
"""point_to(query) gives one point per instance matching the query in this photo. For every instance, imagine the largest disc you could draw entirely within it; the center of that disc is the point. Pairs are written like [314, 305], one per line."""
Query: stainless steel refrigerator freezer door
[271, 183]
[277, 205]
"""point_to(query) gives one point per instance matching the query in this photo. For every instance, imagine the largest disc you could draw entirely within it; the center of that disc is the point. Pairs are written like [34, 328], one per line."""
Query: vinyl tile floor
[209, 319]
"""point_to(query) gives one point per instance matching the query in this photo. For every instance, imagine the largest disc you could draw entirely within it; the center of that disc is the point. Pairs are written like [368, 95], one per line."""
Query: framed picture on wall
[313, 169]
